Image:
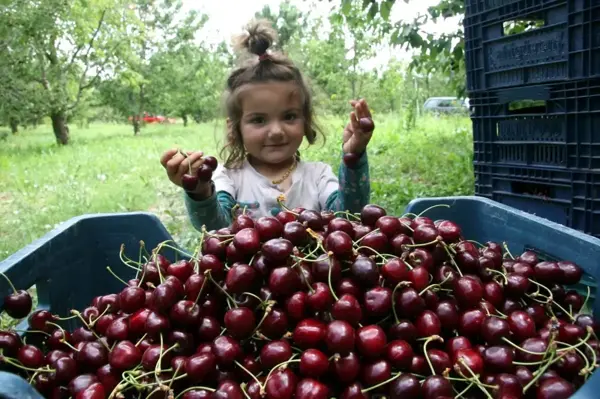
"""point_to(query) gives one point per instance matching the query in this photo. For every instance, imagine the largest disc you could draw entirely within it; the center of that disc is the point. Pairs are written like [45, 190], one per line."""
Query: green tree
[62, 46]
[289, 22]
[440, 55]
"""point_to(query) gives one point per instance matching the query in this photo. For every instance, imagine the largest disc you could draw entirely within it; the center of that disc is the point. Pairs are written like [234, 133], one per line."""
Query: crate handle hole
[533, 189]
[527, 107]
[516, 26]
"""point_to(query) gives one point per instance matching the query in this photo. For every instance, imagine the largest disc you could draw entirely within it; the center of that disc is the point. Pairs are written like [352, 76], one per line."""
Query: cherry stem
[580, 343]
[399, 285]
[461, 393]
[426, 244]
[475, 377]
[115, 275]
[200, 291]
[522, 349]
[32, 331]
[507, 250]
[16, 363]
[92, 323]
[192, 388]
[125, 260]
[280, 202]
[381, 384]
[563, 309]
[550, 297]
[435, 285]
[9, 282]
[477, 242]
[452, 260]
[55, 317]
[78, 314]
[264, 316]
[432, 207]
[498, 272]
[282, 364]
[587, 297]
[427, 341]
[594, 358]
[177, 250]
[208, 273]
[363, 237]
[330, 254]
[347, 214]
[542, 370]
[248, 372]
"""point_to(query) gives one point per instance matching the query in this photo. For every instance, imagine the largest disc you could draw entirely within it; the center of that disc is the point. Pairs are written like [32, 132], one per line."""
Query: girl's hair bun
[259, 36]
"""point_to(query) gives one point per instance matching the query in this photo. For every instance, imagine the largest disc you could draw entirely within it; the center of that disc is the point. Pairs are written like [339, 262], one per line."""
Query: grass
[107, 169]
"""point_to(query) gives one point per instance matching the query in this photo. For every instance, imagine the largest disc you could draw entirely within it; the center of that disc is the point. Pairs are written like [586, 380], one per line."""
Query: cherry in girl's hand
[359, 130]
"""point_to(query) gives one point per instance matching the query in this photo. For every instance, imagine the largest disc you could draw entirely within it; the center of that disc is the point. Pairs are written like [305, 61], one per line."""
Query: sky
[228, 17]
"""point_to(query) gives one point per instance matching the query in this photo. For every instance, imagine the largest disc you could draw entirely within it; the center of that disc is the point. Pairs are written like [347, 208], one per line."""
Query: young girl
[270, 113]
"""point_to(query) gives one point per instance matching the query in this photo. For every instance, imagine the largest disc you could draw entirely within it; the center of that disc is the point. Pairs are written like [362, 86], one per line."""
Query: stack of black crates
[533, 80]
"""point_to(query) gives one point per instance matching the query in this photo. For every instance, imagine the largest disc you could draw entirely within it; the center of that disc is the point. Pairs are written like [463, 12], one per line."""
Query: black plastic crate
[566, 197]
[554, 126]
[519, 43]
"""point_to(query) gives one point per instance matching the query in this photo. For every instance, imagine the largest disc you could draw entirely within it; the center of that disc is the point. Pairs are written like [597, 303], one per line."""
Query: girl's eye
[290, 117]
[258, 120]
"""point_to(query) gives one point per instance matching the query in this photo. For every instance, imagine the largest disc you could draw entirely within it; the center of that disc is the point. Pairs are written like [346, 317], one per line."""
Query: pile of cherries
[316, 305]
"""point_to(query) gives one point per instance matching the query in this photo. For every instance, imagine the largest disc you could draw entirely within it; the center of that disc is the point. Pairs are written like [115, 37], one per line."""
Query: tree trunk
[136, 126]
[14, 125]
[59, 125]
[185, 120]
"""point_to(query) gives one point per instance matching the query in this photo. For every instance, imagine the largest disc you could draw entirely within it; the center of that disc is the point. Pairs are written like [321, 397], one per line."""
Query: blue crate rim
[63, 226]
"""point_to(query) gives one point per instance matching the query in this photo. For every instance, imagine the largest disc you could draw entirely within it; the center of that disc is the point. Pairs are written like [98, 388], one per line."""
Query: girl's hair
[259, 66]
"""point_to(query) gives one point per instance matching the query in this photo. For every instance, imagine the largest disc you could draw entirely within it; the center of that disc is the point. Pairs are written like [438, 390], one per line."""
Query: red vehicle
[148, 118]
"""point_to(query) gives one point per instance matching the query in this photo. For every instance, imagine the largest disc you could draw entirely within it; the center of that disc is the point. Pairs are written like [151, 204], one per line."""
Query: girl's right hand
[177, 165]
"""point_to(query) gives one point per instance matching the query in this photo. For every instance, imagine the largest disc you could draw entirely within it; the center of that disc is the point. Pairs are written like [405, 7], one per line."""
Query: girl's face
[272, 123]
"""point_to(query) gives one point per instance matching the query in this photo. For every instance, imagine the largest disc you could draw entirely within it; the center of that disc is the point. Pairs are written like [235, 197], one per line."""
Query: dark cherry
[571, 333]
[281, 384]
[311, 389]
[340, 224]
[510, 305]
[399, 242]
[532, 345]
[389, 225]
[81, 383]
[509, 386]
[181, 269]
[573, 300]
[118, 330]
[247, 241]
[468, 262]
[240, 322]
[309, 333]
[371, 341]
[447, 313]
[375, 372]
[364, 270]
[124, 356]
[276, 250]
[311, 219]
[454, 344]
[320, 298]
[346, 368]
[537, 313]
[268, 227]
[440, 360]
[228, 389]
[499, 359]
[92, 355]
[340, 337]
[131, 299]
[468, 291]
[242, 222]
[275, 324]
[493, 329]
[370, 214]
[185, 313]
[524, 269]
[354, 391]
[419, 365]
[38, 319]
[409, 302]
[470, 322]
[374, 242]
[419, 277]
[284, 281]
[378, 301]
[296, 305]
[521, 325]
[274, 353]
[183, 339]
[468, 363]
[156, 323]
[548, 272]
[406, 386]
[421, 257]
[436, 387]
[585, 320]
[403, 330]
[428, 324]
[295, 232]
[194, 284]
[30, 356]
[110, 302]
[524, 375]
[493, 293]
[348, 286]
[394, 271]
[240, 278]
[18, 304]
[516, 285]
[286, 217]
[320, 269]
[555, 388]
[226, 350]
[340, 243]
[571, 273]
[313, 363]
[449, 231]
[347, 308]
[400, 354]
[528, 257]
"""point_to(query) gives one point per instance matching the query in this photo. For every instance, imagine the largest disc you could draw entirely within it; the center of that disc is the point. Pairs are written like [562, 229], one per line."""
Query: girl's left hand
[356, 138]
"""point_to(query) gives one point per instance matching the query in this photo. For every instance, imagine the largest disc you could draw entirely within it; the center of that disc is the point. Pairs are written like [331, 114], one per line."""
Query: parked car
[446, 105]
[149, 118]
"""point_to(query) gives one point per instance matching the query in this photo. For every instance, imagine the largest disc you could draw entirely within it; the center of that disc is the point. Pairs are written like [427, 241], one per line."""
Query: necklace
[287, 173]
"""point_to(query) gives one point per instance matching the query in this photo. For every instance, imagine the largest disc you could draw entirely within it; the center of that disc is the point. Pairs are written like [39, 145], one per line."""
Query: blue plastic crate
[485, 220]
[556, 41]
[553, 126]
[68, 265]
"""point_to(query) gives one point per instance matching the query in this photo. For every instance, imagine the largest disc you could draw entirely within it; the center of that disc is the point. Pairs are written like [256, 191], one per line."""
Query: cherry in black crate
[18, 304]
